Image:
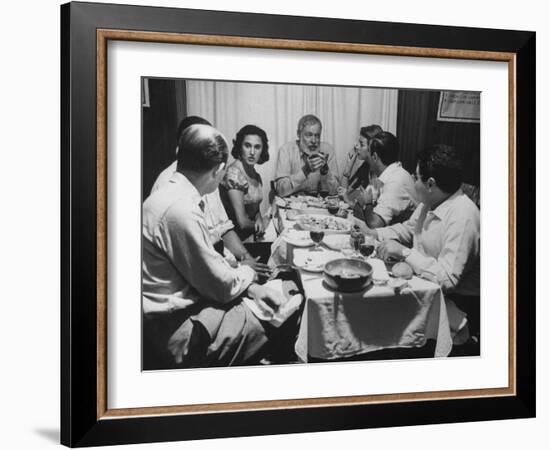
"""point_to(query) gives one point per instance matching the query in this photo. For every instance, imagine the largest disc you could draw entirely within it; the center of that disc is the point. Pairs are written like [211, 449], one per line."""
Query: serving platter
[328, 224]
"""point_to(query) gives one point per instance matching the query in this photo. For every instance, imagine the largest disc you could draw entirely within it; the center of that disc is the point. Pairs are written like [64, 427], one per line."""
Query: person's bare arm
[236, 197]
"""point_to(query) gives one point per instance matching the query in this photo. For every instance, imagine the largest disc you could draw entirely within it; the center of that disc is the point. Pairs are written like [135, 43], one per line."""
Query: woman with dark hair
[356, 170]
[241, 189]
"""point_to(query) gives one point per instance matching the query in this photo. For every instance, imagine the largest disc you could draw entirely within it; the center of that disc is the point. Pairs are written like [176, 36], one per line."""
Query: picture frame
[86, 418]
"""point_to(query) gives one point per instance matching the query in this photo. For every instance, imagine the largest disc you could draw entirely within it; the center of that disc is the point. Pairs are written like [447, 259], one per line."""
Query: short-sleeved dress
[236, 178]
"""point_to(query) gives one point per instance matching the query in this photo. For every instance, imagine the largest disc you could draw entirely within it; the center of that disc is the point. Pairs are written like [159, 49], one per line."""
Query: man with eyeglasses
[441, 240]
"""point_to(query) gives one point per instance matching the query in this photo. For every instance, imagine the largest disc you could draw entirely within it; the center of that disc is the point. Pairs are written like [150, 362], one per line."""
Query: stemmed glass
[366, 248]
[356, 239]
[316, 234]
[333, 205]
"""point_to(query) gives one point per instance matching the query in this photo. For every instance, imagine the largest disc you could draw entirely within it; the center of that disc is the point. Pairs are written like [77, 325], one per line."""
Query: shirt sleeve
[287, 178]
[189, 248]
[392, 202]
[222, 222]
[234, 179]
[402, 232]
[461, 244]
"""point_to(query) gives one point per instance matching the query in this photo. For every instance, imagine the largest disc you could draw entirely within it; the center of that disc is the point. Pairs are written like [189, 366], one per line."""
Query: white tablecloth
[338, 325]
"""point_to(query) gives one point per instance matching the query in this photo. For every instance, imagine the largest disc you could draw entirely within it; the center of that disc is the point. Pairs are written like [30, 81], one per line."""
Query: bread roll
[402, 270]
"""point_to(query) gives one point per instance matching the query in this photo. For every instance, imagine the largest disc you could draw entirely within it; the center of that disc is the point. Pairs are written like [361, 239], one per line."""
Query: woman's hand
[343, 194]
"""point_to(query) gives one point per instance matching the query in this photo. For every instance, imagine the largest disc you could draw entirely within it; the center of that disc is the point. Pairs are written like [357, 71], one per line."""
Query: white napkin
[284, 311]
[379, 271]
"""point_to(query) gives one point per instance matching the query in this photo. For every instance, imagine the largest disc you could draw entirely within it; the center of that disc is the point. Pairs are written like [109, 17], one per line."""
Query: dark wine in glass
[333, 205]
[366, 248]
[356, 239]
[316, 236]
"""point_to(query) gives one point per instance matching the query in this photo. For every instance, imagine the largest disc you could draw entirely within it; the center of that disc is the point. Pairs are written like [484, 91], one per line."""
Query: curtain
[277, 108]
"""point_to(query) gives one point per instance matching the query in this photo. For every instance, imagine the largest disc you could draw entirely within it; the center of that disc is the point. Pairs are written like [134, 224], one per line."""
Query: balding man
[193, 313]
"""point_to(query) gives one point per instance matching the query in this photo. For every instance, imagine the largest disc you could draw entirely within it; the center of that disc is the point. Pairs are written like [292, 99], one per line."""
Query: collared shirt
[445, 243]
[397, 194]
[180, 265]
[290, 178]
[217, 221]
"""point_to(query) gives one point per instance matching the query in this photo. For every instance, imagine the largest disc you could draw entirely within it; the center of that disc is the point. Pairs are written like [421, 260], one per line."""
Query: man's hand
[259, 226]
[263, 270]
[390, 251]
[363, 227]
[267, 299]
[315, 162]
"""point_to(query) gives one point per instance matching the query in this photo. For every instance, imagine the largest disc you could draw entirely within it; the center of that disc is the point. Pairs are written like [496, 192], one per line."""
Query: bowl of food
[347, 275]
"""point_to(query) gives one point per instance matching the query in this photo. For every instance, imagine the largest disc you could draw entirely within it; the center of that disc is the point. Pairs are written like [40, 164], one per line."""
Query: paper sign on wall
[458, 106]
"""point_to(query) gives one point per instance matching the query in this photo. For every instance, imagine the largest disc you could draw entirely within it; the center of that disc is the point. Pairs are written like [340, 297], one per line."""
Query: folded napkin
[285, 310]
[379, 271]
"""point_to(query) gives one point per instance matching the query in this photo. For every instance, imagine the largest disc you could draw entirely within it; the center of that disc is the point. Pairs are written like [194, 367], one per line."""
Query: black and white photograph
[297, 223]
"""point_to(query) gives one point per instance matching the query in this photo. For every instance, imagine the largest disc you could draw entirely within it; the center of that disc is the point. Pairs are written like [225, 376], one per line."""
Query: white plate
[306, 222]
[337, 241]
[297, 205]
[298, 238]
[314, 260]
[308, 201]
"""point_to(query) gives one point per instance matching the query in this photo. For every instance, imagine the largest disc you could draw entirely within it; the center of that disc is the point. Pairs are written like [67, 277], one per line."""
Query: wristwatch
[405, 253]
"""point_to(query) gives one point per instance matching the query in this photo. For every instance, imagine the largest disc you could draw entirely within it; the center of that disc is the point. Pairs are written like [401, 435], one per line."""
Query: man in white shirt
[443, 233]
[306, 165]
[193, 315]
[220, 227]
[397, 198]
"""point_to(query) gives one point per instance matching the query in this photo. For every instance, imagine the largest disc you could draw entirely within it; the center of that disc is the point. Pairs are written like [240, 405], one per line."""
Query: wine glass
[316, 234]
[366, 248]
[356, 239]
[333, 205]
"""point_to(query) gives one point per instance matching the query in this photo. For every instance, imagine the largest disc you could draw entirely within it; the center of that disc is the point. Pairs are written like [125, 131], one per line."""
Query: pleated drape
[277, 108]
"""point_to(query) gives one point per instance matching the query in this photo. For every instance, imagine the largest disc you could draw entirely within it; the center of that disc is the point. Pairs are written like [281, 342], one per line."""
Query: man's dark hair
[443, 164]
[250, 130]
[385, 145]
[201, 148]
[370, 131]
[187, 122]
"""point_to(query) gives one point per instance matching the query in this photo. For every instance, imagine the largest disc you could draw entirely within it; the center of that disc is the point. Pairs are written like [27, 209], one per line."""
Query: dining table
[336, 325]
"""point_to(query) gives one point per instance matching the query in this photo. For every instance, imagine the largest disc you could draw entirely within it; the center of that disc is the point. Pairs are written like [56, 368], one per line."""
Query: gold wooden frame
[103, 36]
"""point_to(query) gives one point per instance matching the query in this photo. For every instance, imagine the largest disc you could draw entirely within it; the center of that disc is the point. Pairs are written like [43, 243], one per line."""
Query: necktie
[201, 205]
